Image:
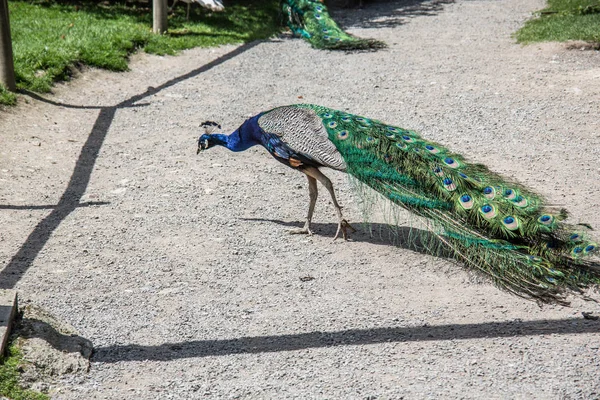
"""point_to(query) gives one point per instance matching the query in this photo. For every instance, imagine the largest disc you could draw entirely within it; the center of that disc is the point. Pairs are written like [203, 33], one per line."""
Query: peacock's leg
[312, 193]
[343, 225]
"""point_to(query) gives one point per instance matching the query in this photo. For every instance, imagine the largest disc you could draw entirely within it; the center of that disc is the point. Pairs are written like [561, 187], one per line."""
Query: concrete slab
[8, 311]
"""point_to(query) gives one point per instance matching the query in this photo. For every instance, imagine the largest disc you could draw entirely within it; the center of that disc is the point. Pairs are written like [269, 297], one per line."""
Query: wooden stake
[159, 13]
[7, 68]
[8, 312]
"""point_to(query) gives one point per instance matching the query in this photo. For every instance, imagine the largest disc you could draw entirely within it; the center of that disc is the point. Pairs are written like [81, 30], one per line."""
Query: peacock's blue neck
[243, 138]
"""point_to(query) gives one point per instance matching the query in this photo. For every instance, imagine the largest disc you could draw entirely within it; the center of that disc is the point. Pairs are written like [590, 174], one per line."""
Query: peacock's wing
[299, 132]
[215, 5]
[310, 19]
[492, 224]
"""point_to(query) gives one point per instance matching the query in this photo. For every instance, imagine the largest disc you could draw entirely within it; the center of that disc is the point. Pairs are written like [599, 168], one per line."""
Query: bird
[214, 5]
[310, 20]
[488, 223]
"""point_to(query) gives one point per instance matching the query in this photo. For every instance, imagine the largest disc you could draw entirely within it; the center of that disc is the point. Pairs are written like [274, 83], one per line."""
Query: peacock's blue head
[205, 142]
[208, 140]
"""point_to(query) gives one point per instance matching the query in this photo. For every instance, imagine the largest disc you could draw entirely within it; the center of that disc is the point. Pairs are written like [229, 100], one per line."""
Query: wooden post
[159, 13]
[8, 311]
[7, 67]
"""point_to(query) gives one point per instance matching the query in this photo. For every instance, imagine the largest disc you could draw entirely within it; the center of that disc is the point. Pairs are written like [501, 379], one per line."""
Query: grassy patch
[564, 20]
[7, 98]
[9, 378]
[52, 37]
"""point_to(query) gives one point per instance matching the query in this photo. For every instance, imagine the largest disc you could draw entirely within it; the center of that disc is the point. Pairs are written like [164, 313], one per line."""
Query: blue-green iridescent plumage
[489, 223]
[310, 20]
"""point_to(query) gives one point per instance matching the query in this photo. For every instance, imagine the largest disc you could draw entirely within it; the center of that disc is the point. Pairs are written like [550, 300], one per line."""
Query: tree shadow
[241, 16]
[349, 337]
[388, 13]
[104, 10]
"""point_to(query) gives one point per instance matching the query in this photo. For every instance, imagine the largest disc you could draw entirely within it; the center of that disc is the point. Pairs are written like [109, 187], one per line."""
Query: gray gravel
[178, 267]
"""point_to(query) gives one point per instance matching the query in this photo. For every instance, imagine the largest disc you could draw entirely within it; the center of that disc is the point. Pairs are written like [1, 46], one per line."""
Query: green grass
[9, 378]
[7, 98]
[564, 20]
[50, 38]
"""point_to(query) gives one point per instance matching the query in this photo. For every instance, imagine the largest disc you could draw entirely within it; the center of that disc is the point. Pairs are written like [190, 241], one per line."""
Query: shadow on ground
[388, 13]
[290, 342]
[406, 237]
[71, 198]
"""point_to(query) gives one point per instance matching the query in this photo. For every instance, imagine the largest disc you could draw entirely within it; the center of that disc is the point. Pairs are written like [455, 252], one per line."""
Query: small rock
[590, 315]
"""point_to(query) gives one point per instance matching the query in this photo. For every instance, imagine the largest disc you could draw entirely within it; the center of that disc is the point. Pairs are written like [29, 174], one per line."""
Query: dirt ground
[178, 267]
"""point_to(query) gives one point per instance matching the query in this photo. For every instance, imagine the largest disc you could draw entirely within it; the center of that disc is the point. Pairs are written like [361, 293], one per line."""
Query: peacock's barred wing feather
[310, 19]
[488, 222]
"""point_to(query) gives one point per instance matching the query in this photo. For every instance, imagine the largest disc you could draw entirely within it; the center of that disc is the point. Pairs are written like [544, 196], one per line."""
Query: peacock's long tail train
[485, 221]
[310, 19]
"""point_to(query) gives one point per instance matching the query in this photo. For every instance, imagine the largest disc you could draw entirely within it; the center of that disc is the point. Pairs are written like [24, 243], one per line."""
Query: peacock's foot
[343, 227]
[300, 231]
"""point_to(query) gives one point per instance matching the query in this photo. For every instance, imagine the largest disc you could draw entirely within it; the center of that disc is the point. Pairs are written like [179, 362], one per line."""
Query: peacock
[214, 5]
[488, 223]
[310, 20]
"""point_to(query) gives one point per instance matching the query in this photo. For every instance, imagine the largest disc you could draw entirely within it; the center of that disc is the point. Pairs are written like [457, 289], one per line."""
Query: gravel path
[178, 267]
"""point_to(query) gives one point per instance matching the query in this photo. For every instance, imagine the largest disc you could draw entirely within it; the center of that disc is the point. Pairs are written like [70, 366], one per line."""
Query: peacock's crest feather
[490, 223]
[310, 19]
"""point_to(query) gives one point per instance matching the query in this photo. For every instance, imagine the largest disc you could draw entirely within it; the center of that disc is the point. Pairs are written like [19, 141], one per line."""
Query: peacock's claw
[343, 227]
[301, 231]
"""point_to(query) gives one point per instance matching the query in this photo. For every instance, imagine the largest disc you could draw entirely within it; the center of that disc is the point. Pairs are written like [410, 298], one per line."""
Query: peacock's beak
[202, 145]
